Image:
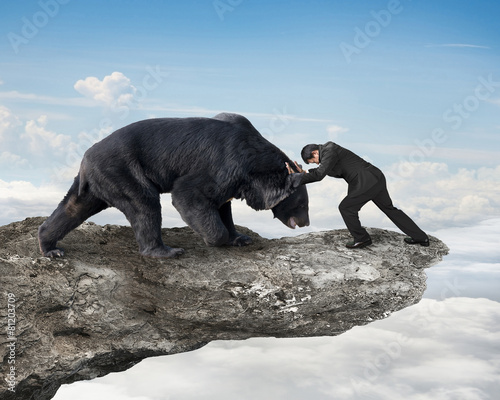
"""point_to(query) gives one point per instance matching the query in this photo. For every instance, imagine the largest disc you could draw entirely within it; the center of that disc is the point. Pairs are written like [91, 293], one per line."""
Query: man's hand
[291, 171]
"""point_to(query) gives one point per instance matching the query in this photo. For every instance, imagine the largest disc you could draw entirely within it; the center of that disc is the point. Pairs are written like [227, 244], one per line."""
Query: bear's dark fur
[202, 162]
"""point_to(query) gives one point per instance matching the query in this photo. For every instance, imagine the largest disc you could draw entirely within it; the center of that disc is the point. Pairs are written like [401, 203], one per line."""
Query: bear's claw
[54, 253]
[241, 240]
[163, 252]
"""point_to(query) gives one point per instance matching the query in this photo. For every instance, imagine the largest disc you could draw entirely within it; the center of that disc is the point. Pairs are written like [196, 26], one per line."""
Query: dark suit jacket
[342, 163]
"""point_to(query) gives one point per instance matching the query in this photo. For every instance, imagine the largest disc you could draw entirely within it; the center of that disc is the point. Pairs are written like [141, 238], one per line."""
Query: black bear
[202, 162]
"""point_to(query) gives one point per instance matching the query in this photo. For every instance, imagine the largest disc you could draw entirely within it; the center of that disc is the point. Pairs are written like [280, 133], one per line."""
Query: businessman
[366, 182]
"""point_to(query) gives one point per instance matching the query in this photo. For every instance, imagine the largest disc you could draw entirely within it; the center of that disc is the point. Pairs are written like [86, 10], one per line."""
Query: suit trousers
[350, 206]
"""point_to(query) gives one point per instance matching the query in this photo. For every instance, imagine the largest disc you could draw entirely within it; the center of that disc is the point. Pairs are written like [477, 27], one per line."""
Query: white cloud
[460, 45]
[7, 121]
[477, 242]
[29, 147]
[334, 131]
[39, 138]
[441, 198]
[108, 392]
[472, 268]
[21, 199]
[9, 160]
[113, 89]
[430, 193]
[42, 99]
[435, 350]
[65, 169]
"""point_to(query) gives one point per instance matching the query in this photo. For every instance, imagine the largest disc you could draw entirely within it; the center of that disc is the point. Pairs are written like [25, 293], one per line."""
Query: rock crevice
[103, 308]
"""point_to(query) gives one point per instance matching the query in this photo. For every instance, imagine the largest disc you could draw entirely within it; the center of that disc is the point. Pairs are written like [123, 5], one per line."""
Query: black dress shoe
[358, 245]
[410, 240]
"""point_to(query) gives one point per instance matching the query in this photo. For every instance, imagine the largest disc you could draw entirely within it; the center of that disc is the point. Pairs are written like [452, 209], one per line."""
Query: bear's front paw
[54, 253]
[241, 240]
[163, 252]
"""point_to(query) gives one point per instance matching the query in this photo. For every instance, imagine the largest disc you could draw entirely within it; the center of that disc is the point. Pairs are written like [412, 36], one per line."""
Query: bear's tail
[83, 184]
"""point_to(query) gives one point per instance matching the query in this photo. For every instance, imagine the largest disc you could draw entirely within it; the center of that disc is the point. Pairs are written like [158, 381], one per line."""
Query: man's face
[315, 158]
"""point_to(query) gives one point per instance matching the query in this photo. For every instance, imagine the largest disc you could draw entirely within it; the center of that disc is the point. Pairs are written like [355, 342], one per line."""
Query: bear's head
[294, 210]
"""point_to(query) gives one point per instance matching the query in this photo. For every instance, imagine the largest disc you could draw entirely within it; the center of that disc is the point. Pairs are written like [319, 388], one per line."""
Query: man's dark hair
[306, 152]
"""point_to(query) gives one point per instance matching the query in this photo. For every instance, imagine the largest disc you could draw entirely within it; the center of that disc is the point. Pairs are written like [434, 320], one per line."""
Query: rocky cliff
[104, 308]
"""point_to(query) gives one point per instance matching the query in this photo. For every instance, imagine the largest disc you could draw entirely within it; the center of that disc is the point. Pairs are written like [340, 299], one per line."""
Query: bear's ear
[291, 184]
[293, 181]
[265, 194]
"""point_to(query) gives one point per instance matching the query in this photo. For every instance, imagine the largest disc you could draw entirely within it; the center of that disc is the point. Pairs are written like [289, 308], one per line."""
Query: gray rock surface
[104, 308]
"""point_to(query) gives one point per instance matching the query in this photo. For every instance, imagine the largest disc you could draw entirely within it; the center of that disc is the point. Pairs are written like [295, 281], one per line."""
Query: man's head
[310, 153]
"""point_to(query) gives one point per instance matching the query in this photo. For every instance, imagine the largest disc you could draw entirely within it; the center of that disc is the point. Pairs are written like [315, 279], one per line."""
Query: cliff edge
[103, 307]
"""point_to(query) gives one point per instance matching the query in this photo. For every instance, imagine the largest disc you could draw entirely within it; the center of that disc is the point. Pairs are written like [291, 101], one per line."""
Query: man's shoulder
[330, 146]
[328, 153]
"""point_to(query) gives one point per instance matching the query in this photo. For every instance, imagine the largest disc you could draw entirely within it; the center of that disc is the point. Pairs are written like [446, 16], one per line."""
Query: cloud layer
[434, 350]
[432, 195]
[7, 121]
[40, 139]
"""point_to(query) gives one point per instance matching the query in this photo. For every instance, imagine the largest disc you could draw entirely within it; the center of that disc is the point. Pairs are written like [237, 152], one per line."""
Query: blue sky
[397, 82]
[413, 86]
[418, 61]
